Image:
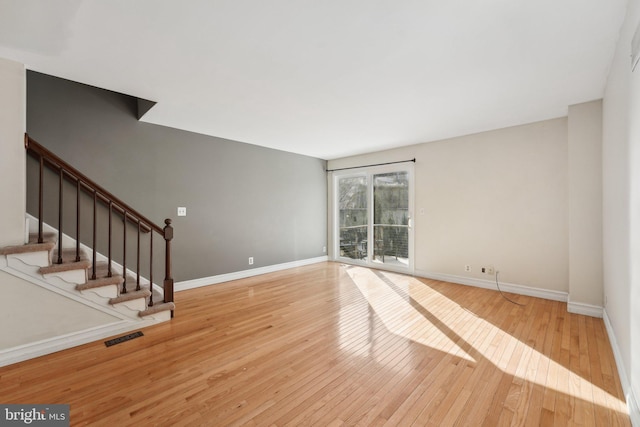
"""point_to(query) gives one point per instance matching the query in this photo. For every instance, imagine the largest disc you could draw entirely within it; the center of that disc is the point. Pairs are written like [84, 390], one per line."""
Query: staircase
[124, 299]
[68, 263]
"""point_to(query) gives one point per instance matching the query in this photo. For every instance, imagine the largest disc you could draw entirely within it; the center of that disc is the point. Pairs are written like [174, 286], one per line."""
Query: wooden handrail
[113, 203]
[87, 183]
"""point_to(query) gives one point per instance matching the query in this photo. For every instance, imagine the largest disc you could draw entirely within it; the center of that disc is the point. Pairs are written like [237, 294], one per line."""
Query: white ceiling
[326, 78]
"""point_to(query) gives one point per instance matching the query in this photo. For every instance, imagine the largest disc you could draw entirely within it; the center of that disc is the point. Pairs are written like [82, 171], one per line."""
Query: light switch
[182, 211]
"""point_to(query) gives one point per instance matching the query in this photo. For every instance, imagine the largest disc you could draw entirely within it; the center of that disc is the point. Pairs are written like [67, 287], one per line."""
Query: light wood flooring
[329, 345]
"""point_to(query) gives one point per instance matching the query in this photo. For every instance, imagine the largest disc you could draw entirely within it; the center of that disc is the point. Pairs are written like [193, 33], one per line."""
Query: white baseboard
[491, 284]
[63, 342]
[634, 409]
[585, 309]
[632, 402]
[212, 280]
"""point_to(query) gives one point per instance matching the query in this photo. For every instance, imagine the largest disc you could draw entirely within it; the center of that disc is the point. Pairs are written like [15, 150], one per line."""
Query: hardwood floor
[331, 345]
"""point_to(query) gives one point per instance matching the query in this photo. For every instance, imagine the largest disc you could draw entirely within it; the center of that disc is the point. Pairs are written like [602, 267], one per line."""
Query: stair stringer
[66, 281]
[128, 317]
[122, 325]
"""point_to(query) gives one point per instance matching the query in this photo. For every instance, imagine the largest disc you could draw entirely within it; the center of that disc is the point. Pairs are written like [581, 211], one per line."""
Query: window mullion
[370, 232]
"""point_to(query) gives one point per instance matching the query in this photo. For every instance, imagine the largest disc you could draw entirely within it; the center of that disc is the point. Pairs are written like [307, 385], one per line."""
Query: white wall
[46, 315]
[12, 152]
[30, 313]
[621, 208]
[496, 198]
[585, 205]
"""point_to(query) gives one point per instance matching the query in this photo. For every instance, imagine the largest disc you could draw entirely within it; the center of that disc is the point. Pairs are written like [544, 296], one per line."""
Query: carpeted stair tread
[102, 271]
[131, 284]
[68, 255]
[32, 246]
[131, 295]
[157, 308]
[101, 281]
[68, 262]
[83, 264]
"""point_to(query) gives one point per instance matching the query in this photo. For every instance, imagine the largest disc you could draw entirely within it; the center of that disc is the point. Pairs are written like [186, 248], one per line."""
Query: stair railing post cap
[168, 230]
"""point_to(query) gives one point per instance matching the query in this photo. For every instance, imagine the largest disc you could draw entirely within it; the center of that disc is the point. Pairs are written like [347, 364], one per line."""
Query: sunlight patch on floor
[418, 313]
[400, 317]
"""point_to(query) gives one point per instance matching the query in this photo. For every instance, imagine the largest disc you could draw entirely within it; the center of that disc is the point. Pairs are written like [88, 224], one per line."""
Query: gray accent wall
[242, 200]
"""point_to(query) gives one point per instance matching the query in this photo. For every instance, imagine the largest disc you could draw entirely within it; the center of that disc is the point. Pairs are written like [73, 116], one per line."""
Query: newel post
[168, 279]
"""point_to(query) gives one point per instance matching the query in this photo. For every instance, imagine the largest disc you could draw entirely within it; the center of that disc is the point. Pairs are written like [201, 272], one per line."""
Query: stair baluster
[151, 269]
[109, 274]
[77, 220]
[138, 260]
[124, 253]
[40, 200]
[95, 240]
[60, 217]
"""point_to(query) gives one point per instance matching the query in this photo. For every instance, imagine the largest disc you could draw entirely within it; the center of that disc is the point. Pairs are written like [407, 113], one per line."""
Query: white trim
[212, 280]
[572, 307]
[634, 409]
[63, 342]
[369, 172]
[632, 402]
[490, 284]
[585, 309]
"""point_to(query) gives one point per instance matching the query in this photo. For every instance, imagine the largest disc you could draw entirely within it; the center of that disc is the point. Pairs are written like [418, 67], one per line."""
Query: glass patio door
[373, 218]
[353, 215]
[391, 219]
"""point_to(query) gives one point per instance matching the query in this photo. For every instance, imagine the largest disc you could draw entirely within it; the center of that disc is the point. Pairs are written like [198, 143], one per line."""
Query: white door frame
[369, 172]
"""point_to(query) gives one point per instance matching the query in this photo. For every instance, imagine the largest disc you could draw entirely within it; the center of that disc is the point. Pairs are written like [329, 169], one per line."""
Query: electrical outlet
[250, 260]
[488, 270]
[324, 249]
[182, 211]
[467, 268]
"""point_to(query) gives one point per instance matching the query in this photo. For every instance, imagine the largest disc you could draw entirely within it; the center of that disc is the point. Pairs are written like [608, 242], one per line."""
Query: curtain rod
[377, 164]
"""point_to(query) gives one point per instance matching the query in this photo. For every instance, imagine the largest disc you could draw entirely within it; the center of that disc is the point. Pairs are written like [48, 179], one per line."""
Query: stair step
[157, 308]
[68, 262]
[131, 295]
[131, 284]
[101, 281]
[66, 266]
[68, 255]
[102, 272]
[34, 246]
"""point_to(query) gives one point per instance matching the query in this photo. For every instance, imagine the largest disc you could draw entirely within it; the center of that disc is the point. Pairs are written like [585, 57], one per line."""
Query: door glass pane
[391, 218]
[352, 205]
